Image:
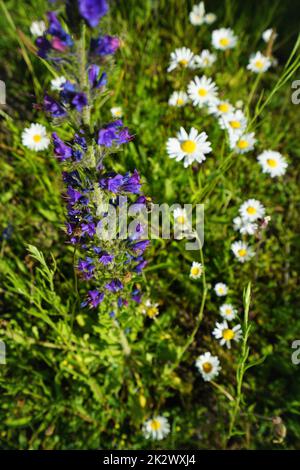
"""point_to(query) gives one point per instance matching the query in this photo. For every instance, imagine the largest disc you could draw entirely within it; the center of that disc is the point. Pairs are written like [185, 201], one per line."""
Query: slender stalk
[200, 314]
[242, 364]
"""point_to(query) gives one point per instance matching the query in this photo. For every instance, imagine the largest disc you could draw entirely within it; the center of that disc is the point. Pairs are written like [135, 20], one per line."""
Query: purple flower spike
[92, 10]
[79, 101]
[52, 107]
[114, 286]
[89, 229]
[139, 267]
[132, 184]
[73, 195]
[105, 45]
[140, 247]
[93, 74]
[105, 259]
[95, 298]
[44, 46]
[61, 150]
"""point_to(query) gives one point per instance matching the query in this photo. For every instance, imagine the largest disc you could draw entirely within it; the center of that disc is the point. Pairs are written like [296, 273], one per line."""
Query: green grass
[68, 381]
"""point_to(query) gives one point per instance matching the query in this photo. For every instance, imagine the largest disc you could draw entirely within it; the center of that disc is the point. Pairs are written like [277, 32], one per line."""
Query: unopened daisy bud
[142, 401]
[265, 222]
[268, 33]
[37, 28]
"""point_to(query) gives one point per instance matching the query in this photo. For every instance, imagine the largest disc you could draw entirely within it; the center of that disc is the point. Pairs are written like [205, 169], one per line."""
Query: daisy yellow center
[242, 252]
[180, 101]
[183, 62]
[181, 219]
[37, 138]
[117, 113]
[228, 311]
[188, 146]
[251, 210]
[259, 64]
[195, 271]
[228, 334]
[221, 290]
[202, 92]
[152, 312]
[235, 124]
[272, 163]
[207, 367]
[223, 107]
[155, 425]
[243, 144]
[224, 42]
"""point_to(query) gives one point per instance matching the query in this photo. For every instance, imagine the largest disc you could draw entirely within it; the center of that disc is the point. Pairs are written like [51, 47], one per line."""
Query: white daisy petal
[156, 428]
[272, 163]
[208, 366]
[35, 137]
[189, 147]
[224, 38]
[242, 251]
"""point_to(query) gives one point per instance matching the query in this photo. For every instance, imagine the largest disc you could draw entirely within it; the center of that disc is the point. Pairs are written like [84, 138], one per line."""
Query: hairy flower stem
[75, 289]
[242, 367]
[200, 314]
[83, 77]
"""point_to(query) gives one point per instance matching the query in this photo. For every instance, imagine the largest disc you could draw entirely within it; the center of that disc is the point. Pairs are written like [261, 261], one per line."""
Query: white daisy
[196, 270]
[198, 17]
[223, 38]
[116, 111]
[202, 91]
[239, 104]
[189, 147]
[37, 28]
[204, 59]
[178, 98]
[197, 14]
[210, 18]
[228, 312]
[235, 122]
[242, 143]
[35, 137]
[150, 309]
[181, 57]
[156, 428]
[208, 366]
[266, 35]
[221, 289]
[181, 219]
[273, 163]
[259, 63]
[242, 251]
[226, 334]
[244, 227]
[57, 83]
[220, 108]
[251, 210]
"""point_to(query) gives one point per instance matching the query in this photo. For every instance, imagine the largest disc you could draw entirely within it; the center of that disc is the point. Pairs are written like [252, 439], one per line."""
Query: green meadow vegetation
[79, 378]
